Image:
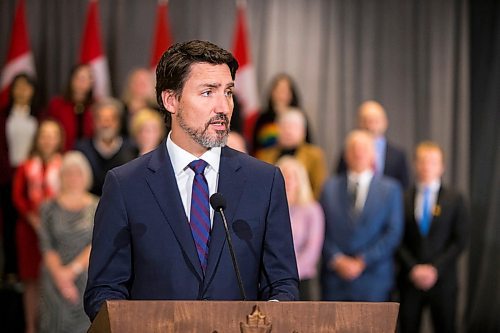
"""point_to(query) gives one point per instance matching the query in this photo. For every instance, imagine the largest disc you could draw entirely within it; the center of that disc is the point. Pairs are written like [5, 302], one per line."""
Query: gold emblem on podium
[256, 323]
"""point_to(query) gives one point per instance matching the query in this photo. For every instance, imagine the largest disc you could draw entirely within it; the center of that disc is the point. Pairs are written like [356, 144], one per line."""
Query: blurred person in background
[292, 141]
[364, 225]
[237, 137]
[107, 148]
[35, 181]
[282, 95]
[65, 238]
[308, 223]
[148, 130]
[389, 159]
[236, 141]
[237, 121]
[18, 124]
[435, 234]
[72, 109]
[138, 94]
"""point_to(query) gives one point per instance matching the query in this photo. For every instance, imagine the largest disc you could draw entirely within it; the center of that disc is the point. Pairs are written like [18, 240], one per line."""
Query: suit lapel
[345, 204]
[388, 161]
[231, 184]
[436, 210]
[415, 228]
[415, 224]
[163, 184]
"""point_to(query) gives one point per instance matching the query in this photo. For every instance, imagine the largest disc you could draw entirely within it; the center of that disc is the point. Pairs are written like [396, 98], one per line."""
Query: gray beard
[201, 136]
[106, 134]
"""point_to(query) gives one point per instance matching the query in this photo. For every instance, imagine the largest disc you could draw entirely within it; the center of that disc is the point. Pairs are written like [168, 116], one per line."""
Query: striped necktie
[200, 212]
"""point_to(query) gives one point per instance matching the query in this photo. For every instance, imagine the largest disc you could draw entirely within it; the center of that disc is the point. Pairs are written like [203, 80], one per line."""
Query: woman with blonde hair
[65, 238]
[148, 130]
[138, 93]
[308, 223]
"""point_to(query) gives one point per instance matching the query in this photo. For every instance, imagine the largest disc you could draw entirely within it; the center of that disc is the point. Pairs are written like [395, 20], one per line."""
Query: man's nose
[224, 104]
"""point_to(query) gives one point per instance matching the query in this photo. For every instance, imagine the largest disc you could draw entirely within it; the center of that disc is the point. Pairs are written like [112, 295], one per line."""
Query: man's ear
[170, 101]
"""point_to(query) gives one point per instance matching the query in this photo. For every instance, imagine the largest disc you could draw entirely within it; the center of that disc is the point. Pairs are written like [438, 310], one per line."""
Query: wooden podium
[244, 317]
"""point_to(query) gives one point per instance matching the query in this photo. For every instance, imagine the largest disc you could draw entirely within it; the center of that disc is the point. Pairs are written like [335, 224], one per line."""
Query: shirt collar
[363, 177]
[380, 141]
[433, 186]
[181, 158]
[21, 110]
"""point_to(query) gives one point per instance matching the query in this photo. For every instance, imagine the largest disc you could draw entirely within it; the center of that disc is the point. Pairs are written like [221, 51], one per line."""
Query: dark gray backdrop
[409, 54]
[484, 277]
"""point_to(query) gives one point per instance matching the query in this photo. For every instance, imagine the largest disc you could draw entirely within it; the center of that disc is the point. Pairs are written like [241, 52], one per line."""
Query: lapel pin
[437, 210]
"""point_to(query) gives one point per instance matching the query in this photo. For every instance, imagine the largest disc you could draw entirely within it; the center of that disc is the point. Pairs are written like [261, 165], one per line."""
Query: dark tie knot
[198, 166]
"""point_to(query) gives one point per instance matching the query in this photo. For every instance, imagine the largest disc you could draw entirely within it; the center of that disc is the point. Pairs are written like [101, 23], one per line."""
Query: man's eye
[206, 93]
[229, 93]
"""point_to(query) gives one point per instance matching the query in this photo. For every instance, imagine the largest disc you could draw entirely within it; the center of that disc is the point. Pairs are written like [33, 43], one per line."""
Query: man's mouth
[219, 124]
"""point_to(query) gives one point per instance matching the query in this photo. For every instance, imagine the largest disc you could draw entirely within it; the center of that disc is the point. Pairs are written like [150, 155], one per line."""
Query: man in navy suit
[436, 223]
[389, 159]
[155, 237]
[364, 224]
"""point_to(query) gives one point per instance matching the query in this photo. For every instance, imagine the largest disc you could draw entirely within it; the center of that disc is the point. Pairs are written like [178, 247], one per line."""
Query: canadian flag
[19, 58]
[91, 52]
[245, 83]
[163, 38]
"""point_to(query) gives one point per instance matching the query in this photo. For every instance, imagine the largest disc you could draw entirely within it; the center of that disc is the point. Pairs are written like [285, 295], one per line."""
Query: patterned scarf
[42, 183]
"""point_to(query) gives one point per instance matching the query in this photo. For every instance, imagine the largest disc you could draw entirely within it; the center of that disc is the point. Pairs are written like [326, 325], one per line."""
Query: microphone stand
[233, 256]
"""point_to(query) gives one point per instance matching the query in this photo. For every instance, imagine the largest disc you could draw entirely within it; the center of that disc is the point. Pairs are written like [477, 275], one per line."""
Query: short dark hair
[175, 65]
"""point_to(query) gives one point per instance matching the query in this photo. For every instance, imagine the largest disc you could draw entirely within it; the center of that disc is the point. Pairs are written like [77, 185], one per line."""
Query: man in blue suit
[364, 224]
[155, 236]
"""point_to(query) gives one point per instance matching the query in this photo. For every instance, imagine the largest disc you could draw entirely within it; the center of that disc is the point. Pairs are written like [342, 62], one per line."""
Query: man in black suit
[435, 235]
[390, 160]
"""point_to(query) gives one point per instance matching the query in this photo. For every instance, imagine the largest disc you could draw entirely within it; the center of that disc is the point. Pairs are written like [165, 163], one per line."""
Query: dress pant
[8, 220]
[306, 290]
[442, 300]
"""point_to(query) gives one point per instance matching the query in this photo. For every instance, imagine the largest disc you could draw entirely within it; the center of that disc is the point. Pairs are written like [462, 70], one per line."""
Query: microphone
[218, 203]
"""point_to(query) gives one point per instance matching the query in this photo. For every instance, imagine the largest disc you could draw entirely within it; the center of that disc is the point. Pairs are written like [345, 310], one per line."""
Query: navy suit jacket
[375, 235]
[142, 246]
[395, 165]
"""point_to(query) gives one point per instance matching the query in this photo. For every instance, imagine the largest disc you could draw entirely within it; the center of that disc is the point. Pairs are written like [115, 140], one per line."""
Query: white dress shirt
[419, 198]
[185, 175]
[20, 130]
[363, 180]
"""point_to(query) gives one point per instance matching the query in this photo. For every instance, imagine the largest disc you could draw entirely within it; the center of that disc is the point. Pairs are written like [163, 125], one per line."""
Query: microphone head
[217, 201]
